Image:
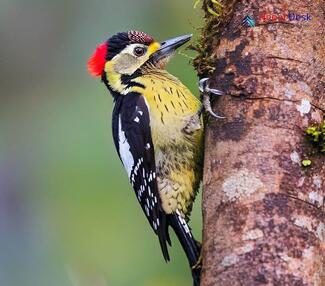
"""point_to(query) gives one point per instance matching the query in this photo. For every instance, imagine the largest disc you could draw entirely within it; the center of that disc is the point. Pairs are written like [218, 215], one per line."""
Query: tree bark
[263, 211]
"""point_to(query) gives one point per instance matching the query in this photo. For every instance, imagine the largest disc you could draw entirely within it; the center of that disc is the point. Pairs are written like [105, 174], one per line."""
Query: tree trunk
[263, 211]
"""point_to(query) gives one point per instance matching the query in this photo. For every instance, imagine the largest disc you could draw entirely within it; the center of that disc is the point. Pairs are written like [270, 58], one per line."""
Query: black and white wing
[132, 138]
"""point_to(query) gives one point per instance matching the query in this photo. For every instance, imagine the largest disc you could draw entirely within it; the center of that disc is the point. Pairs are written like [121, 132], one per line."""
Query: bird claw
[198, 264]
[206, 90]
[204, 87]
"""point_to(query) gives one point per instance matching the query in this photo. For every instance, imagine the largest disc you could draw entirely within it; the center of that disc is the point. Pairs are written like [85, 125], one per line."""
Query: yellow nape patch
[153, 48]
[114, 78]
[109, 66]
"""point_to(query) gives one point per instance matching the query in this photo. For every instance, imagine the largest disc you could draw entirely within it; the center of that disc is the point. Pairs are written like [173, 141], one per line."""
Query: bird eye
[139, 51]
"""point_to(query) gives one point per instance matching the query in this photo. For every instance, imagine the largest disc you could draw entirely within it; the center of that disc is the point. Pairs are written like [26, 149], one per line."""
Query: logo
[284, 17]
[264, 17]
[248, 21]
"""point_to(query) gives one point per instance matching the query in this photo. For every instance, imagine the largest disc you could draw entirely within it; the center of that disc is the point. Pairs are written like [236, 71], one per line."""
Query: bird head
[124, 53]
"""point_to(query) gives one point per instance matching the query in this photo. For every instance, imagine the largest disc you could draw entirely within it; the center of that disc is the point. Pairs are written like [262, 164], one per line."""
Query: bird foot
[207, 91]
[196, 271]
[198, 264]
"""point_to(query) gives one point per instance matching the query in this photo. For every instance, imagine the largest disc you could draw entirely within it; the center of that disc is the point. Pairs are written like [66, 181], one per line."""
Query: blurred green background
[67, 213]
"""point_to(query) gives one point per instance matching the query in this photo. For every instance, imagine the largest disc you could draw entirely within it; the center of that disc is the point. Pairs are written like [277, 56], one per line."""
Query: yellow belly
[178, 155]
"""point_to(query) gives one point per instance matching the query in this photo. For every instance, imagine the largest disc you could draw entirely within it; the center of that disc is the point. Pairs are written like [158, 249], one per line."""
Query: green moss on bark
[316, 135]
[217, 14]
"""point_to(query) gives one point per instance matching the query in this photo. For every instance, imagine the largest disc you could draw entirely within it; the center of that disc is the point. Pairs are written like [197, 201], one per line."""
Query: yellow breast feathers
[170, 102]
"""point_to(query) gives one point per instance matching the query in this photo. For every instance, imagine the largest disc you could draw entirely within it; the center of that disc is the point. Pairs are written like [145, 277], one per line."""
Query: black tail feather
[190, 246]
[196, 274]
[163, 235]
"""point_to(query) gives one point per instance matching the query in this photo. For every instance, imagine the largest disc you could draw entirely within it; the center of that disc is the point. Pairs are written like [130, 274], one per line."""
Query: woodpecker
[157, 131]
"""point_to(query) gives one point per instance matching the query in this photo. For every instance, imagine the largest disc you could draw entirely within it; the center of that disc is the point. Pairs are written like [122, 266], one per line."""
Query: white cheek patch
[124, 149]
[125, 62]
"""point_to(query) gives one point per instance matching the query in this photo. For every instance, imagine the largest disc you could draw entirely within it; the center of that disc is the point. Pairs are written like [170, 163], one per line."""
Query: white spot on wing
[124, 149]
[147, 210]
[136, 119]
[137, 108]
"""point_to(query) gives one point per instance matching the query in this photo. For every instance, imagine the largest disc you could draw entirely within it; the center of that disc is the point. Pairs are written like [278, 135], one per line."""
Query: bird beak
[168, 47]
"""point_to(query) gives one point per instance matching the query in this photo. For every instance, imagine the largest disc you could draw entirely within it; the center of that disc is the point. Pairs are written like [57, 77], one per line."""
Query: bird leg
[198, 264]
[207, 91]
